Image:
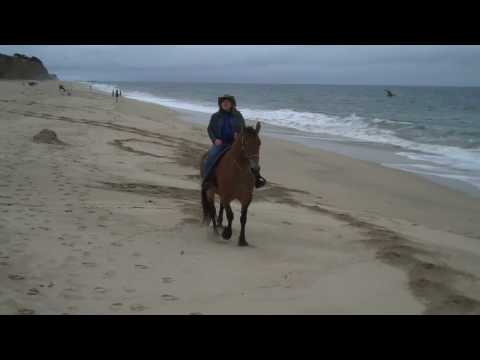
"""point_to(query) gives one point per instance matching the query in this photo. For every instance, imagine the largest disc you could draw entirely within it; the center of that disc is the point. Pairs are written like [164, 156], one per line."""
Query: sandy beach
[109, 222]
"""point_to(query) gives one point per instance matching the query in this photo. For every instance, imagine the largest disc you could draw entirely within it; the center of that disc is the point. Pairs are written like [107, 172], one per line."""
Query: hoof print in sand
[168, 297]
[140, 266]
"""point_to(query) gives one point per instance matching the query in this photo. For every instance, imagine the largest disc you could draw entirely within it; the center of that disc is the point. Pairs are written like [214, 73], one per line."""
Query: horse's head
[250, 145]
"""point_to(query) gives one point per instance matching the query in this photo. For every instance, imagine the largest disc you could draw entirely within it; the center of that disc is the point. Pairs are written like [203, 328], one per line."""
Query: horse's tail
[207, 208]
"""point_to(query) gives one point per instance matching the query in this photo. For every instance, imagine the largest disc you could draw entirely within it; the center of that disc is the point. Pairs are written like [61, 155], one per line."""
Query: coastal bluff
[22, 67]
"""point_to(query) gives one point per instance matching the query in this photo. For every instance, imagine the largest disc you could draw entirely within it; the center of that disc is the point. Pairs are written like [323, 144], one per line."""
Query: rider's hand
[218, 142]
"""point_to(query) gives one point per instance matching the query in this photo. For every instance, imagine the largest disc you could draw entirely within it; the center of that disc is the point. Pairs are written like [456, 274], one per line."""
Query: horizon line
[264, 83]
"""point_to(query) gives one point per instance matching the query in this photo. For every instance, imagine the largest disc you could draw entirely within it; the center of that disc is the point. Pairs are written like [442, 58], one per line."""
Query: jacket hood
[227, 97]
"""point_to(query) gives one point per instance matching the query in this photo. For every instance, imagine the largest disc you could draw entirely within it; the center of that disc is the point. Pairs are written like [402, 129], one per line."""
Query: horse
[233, 180]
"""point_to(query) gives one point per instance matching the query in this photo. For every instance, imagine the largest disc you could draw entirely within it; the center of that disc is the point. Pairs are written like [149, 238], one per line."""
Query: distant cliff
[23, 67]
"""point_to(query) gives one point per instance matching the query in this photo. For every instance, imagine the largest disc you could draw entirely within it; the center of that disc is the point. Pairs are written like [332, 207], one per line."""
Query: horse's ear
[258, 127]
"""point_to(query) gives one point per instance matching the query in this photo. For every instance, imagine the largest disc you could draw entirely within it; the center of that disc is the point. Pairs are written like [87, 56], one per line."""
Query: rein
[247, 156]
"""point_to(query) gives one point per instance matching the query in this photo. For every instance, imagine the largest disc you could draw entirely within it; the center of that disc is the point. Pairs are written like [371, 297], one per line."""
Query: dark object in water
[47, 136]
[389, 93]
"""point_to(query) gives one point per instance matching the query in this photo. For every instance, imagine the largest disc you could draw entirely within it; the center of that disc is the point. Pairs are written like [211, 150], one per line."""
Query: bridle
[242, 148]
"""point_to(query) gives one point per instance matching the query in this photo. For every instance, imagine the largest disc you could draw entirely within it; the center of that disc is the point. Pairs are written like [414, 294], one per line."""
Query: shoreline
[110, 223]
[378, 153]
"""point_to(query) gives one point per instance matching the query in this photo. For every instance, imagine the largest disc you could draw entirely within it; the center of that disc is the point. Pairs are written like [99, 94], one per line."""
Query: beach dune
[108, 221]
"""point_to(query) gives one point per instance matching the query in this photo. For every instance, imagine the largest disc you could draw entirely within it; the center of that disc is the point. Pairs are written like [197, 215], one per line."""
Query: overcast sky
[322, 64]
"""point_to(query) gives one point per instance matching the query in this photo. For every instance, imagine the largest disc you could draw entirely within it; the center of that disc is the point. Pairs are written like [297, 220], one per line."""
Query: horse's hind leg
[220, 215]
[243, 222]
[227, 231]
[213, 211]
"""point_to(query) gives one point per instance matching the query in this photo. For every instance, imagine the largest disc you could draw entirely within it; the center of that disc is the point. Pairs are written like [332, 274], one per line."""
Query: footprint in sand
[116, 306]
[116, 243]
[109, 274]
[26, 311]
[89, 264]
[16, 277]
[50, 285]
[167, 280]
[138, 307]
[140, 266]
[33, 291]
[100, 290]
[168, 297]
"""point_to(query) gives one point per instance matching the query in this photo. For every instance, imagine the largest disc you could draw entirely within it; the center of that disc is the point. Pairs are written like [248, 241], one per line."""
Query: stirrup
[260, 181]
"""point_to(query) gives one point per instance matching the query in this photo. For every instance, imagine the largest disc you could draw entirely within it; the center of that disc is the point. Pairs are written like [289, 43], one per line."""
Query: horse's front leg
[243, 222]
[227, 231]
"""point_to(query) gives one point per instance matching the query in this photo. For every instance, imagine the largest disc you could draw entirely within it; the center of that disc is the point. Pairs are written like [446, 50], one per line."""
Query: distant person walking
[113, 93]
[116, 95]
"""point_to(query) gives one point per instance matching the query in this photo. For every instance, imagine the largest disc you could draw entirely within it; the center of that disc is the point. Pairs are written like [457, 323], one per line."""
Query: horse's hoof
[242, 243]
[227, 233]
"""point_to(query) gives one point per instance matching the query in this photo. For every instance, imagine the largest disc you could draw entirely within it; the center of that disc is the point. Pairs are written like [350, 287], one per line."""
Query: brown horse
[233, 180]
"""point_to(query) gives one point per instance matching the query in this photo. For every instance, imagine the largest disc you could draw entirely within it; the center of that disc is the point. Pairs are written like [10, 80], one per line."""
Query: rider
[224, 126]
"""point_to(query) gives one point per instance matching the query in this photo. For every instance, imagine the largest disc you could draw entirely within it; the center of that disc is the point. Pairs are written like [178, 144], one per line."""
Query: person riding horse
[224, 126]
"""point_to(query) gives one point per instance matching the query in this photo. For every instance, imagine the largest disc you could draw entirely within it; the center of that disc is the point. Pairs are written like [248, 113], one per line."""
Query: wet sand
[109, 222]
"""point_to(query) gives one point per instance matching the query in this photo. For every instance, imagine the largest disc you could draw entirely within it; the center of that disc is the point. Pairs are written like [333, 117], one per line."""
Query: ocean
[432, 131]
